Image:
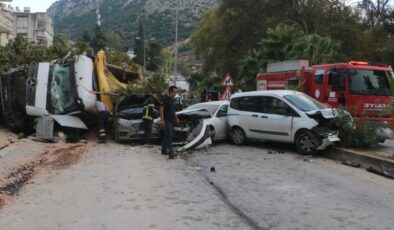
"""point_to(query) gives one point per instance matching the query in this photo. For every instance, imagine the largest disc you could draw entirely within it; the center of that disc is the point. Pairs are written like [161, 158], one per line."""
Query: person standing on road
[149, 111]
[168, 119]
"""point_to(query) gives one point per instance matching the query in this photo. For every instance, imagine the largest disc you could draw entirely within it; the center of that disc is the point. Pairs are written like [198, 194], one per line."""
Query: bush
[358, 133]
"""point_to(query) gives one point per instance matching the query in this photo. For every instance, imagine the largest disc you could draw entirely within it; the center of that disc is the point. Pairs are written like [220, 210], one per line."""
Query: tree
[250, 66]
[99, 40]
[118, 41]
[140, 43]
[165, 61]
[279, 42]
[86, 37]
[60, 46]
[227, 34]
[316, 49]
[387, 54]
[152, 55]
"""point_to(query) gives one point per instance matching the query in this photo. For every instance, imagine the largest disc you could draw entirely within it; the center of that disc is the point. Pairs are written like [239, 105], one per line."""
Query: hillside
[73, 17]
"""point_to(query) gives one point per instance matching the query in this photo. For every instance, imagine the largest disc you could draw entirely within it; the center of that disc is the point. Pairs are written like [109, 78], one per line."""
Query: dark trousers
[148, 131]
[166, 146]
[102, 122]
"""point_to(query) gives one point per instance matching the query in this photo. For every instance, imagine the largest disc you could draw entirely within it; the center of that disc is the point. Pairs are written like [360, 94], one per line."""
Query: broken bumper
[129, 130]
[327, 141]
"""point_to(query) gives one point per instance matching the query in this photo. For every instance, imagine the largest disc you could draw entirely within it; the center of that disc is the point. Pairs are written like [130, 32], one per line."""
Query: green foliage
[387, 54]
[99, 41]
[118, 58]
[118, 41]
[316, 49]
[153, 56]
[279, 43]
[250, 66]
[140, 43]
[19, 52]
[150, 84]
[81, 47]
[165, 61]
[228, 34]
[198, 82]
[359, 133]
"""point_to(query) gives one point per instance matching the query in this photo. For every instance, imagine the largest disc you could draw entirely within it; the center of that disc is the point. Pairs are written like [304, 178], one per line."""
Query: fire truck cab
[362, 88]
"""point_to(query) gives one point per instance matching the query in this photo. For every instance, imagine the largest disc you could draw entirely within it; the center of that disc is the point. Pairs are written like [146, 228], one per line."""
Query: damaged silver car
[282, 116]
[128, 123]
[199, 125]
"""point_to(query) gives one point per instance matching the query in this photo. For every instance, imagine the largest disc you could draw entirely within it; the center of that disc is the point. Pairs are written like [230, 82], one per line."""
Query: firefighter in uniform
[149, 113]
[103, 116]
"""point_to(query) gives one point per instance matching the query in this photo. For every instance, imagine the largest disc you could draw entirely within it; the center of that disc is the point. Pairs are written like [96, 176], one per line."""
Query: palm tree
[315, 48]
[279, 42]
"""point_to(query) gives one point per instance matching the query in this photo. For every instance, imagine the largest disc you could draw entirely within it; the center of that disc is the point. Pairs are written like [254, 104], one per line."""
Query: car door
[275, 120]
[249, 108]
[219, 122]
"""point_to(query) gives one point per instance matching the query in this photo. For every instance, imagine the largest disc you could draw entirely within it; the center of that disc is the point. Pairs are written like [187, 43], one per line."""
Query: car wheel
[238, 136]
[306, 143]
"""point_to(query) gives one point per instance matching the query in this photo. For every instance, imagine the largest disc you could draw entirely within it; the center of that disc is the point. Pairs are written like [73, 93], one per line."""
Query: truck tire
[238, 136]
[306, 143]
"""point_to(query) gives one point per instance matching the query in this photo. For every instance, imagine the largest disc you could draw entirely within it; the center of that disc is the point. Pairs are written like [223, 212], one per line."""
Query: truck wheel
[306, 143]
[238, 136]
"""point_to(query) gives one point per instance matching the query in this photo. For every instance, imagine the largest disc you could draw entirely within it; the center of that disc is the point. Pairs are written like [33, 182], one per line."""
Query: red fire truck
[362, 88]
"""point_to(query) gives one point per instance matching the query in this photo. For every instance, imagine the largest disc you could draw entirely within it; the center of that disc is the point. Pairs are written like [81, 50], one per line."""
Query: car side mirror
[221, 114]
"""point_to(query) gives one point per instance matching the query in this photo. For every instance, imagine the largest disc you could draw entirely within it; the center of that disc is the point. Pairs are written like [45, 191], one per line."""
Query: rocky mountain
[73, 17]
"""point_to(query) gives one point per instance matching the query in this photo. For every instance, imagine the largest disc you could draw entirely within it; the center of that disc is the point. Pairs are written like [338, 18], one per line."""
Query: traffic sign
[227, 81]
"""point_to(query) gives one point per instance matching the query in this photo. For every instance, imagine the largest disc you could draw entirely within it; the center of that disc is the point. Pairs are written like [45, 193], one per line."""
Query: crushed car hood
[326, 113]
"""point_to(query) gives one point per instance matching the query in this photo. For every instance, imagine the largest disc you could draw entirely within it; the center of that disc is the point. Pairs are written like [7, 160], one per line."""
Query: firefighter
[103, 116]
[149, 113]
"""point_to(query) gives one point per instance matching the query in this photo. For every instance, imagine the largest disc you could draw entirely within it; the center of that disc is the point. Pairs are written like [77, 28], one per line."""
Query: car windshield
[211, 108]
[304, 102]
[62, 90]
[369, 81]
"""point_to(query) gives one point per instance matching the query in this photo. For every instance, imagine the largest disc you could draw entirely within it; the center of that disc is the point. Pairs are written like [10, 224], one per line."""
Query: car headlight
[123, 122]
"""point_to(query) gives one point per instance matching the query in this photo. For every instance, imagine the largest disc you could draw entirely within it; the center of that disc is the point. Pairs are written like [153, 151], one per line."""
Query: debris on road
[351, 164]
[385, 173]
[55, 157]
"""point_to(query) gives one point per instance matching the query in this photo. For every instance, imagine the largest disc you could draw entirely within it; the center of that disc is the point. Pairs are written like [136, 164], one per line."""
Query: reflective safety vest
[148, 112]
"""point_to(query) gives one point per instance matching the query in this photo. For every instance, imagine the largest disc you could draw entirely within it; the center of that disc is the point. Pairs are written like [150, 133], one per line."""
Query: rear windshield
[304, 102]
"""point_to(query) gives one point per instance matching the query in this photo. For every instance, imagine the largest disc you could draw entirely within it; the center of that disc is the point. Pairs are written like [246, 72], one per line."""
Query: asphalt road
[278, 190]
[253, 187]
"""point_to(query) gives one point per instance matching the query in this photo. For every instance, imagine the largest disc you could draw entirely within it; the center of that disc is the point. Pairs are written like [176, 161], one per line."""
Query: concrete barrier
[365, 158]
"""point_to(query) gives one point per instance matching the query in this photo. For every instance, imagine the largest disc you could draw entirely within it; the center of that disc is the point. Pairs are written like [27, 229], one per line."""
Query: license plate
[140, 132]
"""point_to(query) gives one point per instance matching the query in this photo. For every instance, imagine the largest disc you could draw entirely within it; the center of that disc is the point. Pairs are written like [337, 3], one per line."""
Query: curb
[365, 160]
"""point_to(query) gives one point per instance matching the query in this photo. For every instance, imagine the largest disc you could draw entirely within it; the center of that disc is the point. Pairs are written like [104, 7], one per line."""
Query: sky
[43, 5]
[35, 5]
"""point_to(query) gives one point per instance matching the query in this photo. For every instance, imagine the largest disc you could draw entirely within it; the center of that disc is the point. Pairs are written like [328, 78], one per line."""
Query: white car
[283, 116]
[200, 124]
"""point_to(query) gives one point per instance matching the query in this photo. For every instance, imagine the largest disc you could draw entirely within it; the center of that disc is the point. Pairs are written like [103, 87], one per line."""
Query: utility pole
[176, 42]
